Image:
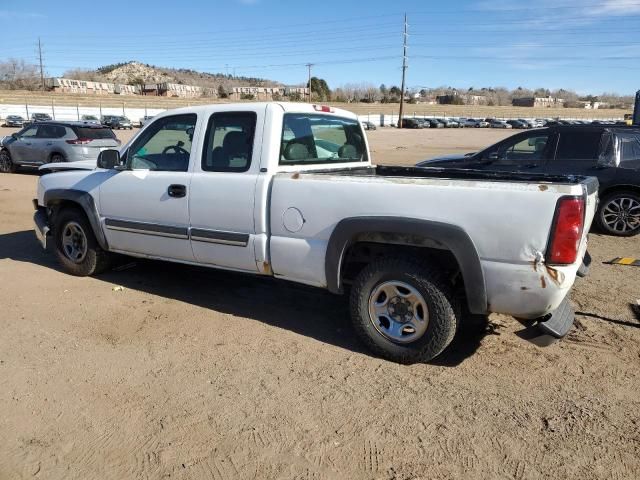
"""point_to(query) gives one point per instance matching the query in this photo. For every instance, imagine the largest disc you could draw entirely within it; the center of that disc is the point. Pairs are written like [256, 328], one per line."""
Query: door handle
[177, 191]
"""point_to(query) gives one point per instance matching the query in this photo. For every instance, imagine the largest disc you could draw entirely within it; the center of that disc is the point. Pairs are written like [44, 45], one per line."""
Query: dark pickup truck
[609, 152]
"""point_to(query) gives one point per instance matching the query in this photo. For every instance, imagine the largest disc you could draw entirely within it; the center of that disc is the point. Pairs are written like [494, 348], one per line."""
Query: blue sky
[591, 46]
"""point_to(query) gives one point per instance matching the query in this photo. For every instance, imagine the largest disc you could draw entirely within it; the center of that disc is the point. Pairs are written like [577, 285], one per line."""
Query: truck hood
[60, 166]
[445, 160]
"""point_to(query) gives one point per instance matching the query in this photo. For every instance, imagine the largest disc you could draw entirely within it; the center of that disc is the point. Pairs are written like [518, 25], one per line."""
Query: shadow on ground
[307, 311]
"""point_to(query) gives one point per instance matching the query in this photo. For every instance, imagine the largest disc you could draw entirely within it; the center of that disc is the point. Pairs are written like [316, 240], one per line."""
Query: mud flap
[559, 322]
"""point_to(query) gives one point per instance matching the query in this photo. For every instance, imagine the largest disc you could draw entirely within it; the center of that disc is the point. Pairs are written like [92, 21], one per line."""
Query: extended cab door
[222, 201]
[145, 208]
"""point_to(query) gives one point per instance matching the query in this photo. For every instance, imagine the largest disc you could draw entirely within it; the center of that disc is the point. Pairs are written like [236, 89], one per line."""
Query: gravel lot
[192, 373]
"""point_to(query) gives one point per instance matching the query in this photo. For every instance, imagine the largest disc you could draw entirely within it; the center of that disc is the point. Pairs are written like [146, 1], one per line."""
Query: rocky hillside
[136, 72]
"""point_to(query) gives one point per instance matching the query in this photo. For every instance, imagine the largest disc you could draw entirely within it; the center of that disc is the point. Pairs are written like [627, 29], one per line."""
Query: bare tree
[15, 74]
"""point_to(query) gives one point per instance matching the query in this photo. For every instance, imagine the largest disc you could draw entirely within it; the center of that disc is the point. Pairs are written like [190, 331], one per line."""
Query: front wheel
[403, 310]
[76, 246]
[619, 214]
[6, 164]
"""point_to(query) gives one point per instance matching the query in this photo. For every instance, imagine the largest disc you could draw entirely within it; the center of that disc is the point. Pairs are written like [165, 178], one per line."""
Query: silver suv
[52, 142]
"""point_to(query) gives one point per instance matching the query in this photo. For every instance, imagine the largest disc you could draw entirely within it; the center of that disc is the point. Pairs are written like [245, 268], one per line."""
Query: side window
[229, 142]
[629, 149]
[529, 150]
[165, 146]
[51, 131]
[30, 132]
[579, 145]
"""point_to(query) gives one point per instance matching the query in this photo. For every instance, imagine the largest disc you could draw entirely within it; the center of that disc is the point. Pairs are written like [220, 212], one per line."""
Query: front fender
[85, 201]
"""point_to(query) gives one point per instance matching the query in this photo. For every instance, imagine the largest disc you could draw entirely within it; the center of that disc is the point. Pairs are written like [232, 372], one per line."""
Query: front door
[526, 153]
[25, 148]
[145, 207]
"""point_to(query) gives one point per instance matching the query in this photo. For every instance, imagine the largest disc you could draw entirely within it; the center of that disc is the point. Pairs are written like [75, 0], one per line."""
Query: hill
[135, 73]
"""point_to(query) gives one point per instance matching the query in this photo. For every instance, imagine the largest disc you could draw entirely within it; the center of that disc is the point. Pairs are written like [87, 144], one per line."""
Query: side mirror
[494, 156]
[109, 159]
[15, 135]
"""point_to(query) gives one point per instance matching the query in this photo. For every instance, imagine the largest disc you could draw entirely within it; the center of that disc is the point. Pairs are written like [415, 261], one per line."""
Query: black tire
[6, 164]
[95, 260]
[443, 311]
[604, 217]
[56, 158]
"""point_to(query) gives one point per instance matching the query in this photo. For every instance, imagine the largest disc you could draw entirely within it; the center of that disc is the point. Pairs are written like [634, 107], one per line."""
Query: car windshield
[318, 139]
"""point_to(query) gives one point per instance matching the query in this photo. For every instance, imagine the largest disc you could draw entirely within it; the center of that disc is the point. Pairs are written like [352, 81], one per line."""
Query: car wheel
[6, 164]
[402, 310]
[56, 158]
[619, 214]
[76, 246]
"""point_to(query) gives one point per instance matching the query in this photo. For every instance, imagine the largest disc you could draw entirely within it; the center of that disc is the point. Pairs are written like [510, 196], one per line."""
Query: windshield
[319, 139]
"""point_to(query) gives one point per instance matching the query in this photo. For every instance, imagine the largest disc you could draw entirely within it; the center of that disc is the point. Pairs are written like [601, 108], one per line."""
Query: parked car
[369, 125]
[54, 142]
[610, 153]
[144, 120]
[409, 242]
[121, 123]
[411, 123]
[499, 124]
[90, 119]
[40, 117]
[14, 121]
[517, 124]
[528, 123]
[448, 123]
[105, 120]
[433, 123]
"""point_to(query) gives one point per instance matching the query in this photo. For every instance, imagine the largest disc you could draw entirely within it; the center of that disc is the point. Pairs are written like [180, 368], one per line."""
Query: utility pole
[309, 65]
[41, 67]
[404, 70]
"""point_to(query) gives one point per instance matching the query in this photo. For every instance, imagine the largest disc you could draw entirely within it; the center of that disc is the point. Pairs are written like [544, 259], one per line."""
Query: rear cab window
[316, 139]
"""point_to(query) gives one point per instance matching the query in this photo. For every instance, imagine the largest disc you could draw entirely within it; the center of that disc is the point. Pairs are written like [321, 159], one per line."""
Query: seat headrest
[296, 151]
[235, 142]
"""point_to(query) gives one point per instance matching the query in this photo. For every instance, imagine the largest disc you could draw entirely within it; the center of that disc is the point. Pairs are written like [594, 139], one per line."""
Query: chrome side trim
[216, 236]
[147, 228]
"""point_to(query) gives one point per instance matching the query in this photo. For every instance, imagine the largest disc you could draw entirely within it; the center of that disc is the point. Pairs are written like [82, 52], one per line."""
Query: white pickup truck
[288, 190]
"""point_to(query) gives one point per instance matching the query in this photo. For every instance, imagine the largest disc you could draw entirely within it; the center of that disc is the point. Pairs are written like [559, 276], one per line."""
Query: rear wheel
[619, 214]
[6, 164]
[56, 158]
[402, 310]
[76, 246]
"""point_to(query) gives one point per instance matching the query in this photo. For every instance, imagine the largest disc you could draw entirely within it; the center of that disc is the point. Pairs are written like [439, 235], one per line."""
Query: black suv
[609, 152]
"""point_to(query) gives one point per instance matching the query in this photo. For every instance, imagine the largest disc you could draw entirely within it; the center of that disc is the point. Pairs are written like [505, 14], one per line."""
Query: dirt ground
[189, 373]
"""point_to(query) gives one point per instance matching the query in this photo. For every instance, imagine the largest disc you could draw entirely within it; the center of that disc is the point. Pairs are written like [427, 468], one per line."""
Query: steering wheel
[177, 149]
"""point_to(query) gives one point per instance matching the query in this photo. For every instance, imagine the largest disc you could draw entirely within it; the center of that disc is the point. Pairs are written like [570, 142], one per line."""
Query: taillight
[79, 141]
[567, 231]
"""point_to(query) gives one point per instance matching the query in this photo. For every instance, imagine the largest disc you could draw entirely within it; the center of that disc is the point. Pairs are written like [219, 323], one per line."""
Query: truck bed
[460, 174]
